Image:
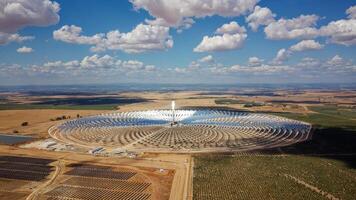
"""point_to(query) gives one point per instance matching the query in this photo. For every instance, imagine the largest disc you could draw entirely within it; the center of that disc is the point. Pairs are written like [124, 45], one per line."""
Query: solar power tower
[173, 107]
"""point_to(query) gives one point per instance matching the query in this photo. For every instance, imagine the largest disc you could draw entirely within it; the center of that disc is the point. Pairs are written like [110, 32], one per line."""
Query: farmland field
[269, 177]
[323, 167]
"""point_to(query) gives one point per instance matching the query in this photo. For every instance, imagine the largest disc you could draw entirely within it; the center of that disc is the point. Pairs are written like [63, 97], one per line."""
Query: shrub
[24, 124]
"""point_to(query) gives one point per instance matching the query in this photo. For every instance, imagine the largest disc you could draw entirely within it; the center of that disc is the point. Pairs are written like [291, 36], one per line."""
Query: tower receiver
[173, 123]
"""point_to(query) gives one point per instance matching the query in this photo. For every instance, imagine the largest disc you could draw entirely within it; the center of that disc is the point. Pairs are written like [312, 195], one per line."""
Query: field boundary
[311, 187]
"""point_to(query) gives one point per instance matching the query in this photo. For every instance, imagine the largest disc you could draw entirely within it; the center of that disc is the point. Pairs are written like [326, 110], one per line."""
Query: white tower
[173, 107]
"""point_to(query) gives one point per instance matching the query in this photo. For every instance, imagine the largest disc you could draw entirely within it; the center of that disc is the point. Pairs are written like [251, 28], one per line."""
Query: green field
[266, 177]
[326, 164]
[228, 101]
[73, 103]
[60, 107]
[327, 117]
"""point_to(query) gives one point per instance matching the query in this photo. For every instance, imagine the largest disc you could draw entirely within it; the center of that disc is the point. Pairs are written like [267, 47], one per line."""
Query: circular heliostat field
[182, 131]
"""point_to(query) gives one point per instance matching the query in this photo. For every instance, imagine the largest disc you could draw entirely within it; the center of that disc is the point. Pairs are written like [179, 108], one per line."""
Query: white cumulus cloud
[254, 61]
[142, 38]
[206, 59]
[97, 61]
[306, 45]
[300, 27]
[6, 38]
[351, 12]
[309, 63]
[71, 34]
[260, 16]
[24, 49]
[93, 63]
[174, 13]
[17, 14]
[230, 28]
[223, 42]
[262, 69]
[338, 61]
[340, 32]
[282, 55]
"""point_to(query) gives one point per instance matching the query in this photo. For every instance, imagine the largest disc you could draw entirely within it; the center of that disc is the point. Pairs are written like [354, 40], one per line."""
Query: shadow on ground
[91, 101]
[332, 143]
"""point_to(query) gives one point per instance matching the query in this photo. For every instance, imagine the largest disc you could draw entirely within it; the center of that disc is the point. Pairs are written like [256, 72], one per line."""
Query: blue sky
[177, 41]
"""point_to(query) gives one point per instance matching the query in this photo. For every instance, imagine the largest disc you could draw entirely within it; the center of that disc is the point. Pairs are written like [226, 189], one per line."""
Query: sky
[44, 42]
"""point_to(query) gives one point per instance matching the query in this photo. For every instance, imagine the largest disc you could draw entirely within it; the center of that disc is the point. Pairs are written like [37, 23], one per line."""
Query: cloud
[300, 27]
[339, 64]
[255, 66]
[340, 32]
[142, 38]
[306, 45]
[6, 38]
[181, 70]
[24, 49]
[206, 59]
[150, 68]
[223, 42]
[10, 69]
[71, 34]
[248, 70]
[351, 12]
[184, 24]
[282, 55]
[309, 63]
[133, 65]
[74, 64]
[174, 13]
[231, 28]
[95, 62]
[17, 14]
[260, 16]
[320, 69]
[107, 68]
[254, 61]
[332, 66]
[337, 61]
[262, 69]
[198, 65]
